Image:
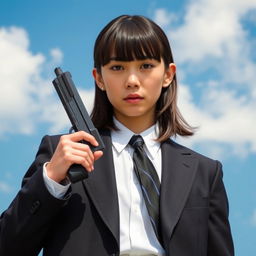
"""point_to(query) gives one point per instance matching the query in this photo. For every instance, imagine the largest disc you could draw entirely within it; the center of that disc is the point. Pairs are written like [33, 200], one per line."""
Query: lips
[133, 98]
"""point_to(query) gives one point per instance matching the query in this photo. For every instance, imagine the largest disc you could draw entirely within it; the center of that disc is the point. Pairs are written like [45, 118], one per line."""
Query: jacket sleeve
[219, 238]
[24, 225]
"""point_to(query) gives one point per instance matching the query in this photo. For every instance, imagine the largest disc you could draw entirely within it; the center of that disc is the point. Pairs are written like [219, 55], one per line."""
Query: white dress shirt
[137, 236]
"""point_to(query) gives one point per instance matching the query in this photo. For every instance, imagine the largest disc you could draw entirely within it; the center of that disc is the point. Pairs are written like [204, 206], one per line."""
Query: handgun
[78, 117]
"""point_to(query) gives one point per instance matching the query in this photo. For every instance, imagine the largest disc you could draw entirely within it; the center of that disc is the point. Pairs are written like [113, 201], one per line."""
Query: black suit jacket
[193, 209]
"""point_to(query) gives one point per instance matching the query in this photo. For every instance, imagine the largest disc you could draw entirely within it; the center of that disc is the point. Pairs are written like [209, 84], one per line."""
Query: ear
[98, 79]
[169, 74]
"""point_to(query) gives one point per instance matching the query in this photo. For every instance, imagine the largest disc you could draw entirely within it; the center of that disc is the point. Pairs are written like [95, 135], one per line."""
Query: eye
[147, 66]
[116, 67]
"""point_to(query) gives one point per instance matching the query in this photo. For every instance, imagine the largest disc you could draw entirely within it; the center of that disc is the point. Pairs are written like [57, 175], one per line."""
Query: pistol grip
[77, 173]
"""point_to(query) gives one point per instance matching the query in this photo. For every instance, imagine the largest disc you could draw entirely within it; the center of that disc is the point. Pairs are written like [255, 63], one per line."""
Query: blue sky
[213, 44]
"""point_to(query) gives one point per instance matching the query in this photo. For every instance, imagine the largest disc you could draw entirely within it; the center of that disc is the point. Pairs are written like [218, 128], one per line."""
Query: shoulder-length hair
[136, 38]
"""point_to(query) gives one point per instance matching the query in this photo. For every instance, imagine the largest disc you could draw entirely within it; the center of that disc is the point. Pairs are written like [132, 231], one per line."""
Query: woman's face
[133, 88]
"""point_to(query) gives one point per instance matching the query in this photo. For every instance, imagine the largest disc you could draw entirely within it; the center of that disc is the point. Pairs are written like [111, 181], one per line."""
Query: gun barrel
[58, 71]
[78, 116]
[74, 106]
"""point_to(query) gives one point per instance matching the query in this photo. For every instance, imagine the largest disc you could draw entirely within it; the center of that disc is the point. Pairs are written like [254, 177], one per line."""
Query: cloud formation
[18, 75]
[216, 63]
[211, 39]
[27, 98]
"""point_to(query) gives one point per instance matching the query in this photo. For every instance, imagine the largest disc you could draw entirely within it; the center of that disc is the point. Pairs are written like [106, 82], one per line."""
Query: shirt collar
[122, 136]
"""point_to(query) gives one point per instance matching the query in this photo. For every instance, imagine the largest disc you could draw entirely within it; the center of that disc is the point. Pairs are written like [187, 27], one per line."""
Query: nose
[132, 80]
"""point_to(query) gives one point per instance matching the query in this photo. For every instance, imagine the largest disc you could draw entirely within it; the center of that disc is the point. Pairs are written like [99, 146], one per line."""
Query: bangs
[129, 40]
[126, 47]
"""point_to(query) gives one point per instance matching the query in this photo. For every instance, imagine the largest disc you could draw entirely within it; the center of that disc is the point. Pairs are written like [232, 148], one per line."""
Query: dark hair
[130, 38]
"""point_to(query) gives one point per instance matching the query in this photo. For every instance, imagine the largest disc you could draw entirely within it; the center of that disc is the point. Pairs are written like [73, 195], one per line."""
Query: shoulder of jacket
[188, 151]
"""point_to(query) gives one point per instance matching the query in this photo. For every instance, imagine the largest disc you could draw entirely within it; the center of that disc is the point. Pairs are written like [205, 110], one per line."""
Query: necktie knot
[136, 141]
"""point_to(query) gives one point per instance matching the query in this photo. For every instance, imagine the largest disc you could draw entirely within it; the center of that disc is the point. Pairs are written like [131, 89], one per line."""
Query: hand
[70, 151]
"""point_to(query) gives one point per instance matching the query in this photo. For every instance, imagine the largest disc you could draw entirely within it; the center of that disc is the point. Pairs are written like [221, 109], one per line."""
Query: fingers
[81, 135]
[70, 151]
[86, 159]
[82, 150]
[75, 152]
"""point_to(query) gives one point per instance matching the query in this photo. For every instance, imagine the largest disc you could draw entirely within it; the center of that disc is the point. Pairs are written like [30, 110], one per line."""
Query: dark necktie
[149, 181]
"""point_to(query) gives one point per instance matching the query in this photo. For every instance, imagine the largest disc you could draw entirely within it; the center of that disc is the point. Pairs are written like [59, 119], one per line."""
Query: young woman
[108, 214]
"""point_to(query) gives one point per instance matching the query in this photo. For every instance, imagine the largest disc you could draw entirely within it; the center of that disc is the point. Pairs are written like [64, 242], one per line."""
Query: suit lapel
[101, 186]
[179, 169]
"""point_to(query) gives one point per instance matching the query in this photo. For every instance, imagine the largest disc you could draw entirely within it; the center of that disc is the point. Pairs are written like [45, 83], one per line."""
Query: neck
[136, 125]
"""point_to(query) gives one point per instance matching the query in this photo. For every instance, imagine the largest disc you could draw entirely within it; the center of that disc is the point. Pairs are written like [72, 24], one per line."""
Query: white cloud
[211, 38]
[27, 98]
[211, 28]
[57, 55]
[163, 18]
[18, 76]
[55, 114]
